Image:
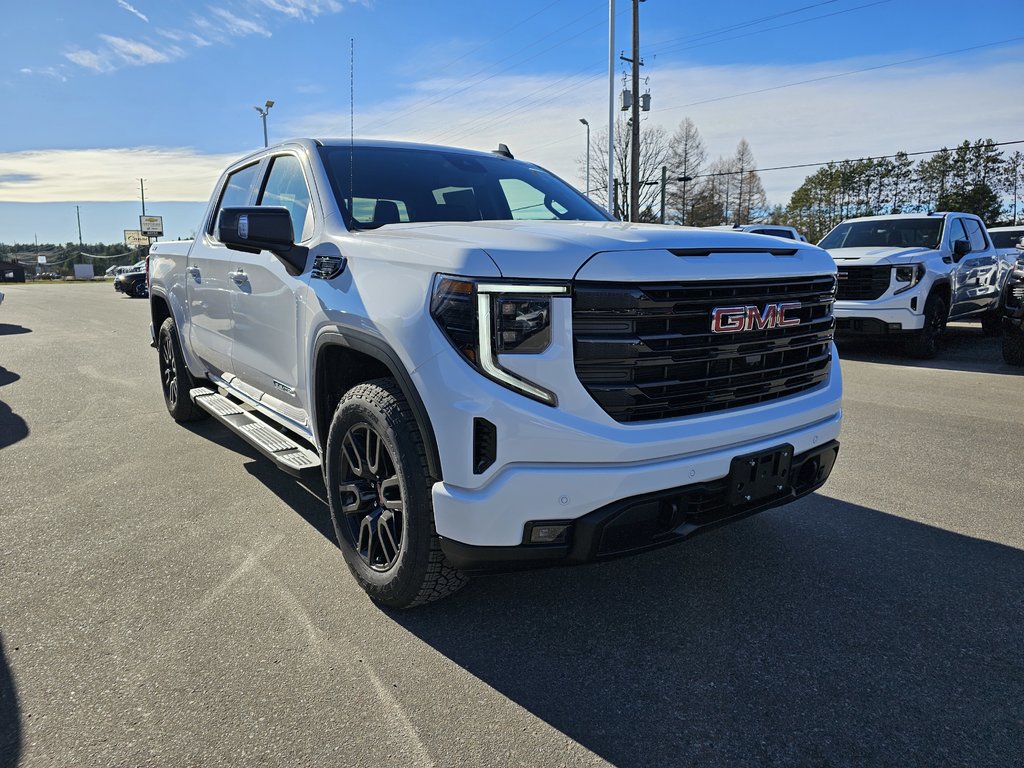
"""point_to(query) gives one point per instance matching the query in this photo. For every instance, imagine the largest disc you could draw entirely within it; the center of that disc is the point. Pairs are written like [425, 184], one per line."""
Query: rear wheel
[378, 484]
[925, 343]
[175, 378]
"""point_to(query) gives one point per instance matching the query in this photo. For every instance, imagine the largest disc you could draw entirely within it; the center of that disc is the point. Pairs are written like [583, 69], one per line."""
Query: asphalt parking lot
[168, 598]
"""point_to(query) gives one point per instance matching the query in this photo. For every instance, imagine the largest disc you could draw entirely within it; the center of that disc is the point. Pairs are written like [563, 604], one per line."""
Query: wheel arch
[944, 290]
[344, 358]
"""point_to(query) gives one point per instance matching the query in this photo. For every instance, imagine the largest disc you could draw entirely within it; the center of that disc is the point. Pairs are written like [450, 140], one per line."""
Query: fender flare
[372, 346]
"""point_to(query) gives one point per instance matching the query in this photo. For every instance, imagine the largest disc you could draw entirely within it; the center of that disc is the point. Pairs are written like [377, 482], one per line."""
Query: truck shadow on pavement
[6, 329]
[823, 634]
[307, 498]
[10, 719]
[12, 427]
[963, 348]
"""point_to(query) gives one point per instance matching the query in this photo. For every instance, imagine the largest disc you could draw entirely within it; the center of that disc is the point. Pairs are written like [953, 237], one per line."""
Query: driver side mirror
[960, 249]
[262, 228]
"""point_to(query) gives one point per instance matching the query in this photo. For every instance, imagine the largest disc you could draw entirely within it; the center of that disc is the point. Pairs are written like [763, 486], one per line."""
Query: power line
[844, 74]
[838, 162]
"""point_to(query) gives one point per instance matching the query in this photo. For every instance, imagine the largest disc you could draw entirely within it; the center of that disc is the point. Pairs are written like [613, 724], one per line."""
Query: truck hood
[879, 255]
[597, 250]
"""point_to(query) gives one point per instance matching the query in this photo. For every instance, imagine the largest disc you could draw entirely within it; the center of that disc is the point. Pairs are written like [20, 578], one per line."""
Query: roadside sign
[41, 259]
[134, 238]
[152, 226]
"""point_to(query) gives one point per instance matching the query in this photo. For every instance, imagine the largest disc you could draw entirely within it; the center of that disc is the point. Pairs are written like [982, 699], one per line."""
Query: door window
[286, 186]
[956, 231]
[236, 193]
[977, 237]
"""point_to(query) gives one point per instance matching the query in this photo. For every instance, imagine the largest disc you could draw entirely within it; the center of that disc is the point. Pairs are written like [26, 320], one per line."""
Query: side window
[235, 193]
[526, 201]
[286, 186]
[956, 231]
[977, 236]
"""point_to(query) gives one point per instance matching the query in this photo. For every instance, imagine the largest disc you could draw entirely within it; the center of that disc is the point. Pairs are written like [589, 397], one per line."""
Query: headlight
[485, 319]
[908, 276]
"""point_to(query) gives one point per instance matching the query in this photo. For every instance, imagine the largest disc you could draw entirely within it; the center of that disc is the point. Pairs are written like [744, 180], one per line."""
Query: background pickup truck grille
[863, 283]
[646, 351]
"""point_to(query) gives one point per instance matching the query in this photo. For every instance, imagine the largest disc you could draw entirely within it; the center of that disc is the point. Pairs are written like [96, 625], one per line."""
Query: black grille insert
[646, 351]
[863, 283]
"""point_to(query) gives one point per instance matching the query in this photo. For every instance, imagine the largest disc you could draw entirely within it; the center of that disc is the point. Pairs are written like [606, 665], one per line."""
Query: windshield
[376, 186]
[885, 233]
[1007, 238]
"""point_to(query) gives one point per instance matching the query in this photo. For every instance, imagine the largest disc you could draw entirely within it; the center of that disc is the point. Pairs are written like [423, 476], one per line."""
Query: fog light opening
[809, 472]
[549, 534]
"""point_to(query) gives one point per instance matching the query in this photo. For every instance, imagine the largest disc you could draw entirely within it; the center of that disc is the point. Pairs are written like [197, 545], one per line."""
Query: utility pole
[142, 188]
[664, 180]
[634, 144]
[611, 107]
[78, 214]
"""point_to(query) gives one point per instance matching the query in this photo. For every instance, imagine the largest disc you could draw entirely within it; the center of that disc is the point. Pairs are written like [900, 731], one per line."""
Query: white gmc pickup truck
[488, 371]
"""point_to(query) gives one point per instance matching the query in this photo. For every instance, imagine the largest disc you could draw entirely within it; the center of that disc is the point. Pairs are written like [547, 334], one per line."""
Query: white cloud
[51, 72]
[238, 26]
[910, 108]
[97, 61]
[132, 10]
[108, 175]
[301, 9]
[136, 53]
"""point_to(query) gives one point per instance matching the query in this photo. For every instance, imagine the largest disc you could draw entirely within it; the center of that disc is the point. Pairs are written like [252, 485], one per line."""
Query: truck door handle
[194, 271]
[239, 276]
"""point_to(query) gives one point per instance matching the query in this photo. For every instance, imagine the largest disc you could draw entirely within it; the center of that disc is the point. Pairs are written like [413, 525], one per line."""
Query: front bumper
[857, 317]
[647, 521]
[497, 513]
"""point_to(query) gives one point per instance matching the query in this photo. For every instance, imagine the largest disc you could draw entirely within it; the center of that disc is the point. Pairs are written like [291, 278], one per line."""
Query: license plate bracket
[758, 476]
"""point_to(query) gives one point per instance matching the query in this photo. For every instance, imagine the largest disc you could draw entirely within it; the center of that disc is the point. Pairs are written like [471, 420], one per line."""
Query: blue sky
[98, 93]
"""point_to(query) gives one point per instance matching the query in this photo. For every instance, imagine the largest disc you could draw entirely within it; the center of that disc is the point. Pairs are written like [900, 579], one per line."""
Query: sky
[97, 94]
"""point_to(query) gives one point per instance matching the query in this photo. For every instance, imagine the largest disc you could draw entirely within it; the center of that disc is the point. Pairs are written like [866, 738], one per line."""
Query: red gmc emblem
[736, 319]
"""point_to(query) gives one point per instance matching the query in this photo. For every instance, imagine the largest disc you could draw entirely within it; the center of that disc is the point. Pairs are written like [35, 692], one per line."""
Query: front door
[267, 301]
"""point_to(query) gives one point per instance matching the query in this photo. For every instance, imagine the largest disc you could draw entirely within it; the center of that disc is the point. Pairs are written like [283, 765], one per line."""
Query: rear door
[266, 300]
[208, 284]
[976, 284]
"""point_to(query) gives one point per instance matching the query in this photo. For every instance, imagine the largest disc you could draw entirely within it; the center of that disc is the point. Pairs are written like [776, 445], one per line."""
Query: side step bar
[287, 454]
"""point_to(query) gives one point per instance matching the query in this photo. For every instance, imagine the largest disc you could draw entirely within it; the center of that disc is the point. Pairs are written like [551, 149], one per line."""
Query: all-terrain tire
[379, 489]
[924, 344]
[1013, 348]
[175, 378]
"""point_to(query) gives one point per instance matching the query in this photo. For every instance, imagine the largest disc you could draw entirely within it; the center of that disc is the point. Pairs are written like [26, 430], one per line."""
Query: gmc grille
[646, 351]
[863, 283]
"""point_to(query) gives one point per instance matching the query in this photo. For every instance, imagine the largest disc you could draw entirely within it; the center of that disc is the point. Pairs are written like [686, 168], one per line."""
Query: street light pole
[611, 106]
[263, 114]
[584, 121]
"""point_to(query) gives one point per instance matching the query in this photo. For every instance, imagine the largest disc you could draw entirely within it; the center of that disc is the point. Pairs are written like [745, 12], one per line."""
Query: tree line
[974, 177]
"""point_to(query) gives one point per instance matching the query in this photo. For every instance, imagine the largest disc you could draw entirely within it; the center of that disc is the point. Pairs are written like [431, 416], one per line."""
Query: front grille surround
[860, 283]
[645, 351]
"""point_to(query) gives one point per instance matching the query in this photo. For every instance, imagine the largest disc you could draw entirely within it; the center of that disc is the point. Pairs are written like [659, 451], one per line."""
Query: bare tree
[687, 157]
[654, 153]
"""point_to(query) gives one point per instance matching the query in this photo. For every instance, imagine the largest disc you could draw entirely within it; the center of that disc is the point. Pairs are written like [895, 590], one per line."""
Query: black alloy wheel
[371, 498]
[924, 344]
[176, 380]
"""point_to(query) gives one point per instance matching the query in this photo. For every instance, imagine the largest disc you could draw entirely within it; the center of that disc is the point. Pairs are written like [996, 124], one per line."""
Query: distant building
[11, 272]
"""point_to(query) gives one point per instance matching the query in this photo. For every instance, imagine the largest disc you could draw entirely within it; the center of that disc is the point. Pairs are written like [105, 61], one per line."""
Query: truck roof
[312, 143]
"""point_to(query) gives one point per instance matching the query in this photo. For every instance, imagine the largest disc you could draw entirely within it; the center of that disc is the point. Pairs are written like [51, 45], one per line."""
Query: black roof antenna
[503, 151]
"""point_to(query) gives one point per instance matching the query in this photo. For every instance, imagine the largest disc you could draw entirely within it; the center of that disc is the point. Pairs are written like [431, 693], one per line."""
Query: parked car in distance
[133, 283]
[1013, 312]
[775, 230]
[906, 275]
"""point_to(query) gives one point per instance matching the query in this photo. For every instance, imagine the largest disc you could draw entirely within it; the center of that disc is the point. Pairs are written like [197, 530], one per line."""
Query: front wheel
[378, 485]
[925, 343]
[140, 291]
[175, 378]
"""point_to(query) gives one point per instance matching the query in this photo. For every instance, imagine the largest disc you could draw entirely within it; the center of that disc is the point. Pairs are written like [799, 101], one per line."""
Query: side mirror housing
[262, 228]
[960, 249]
